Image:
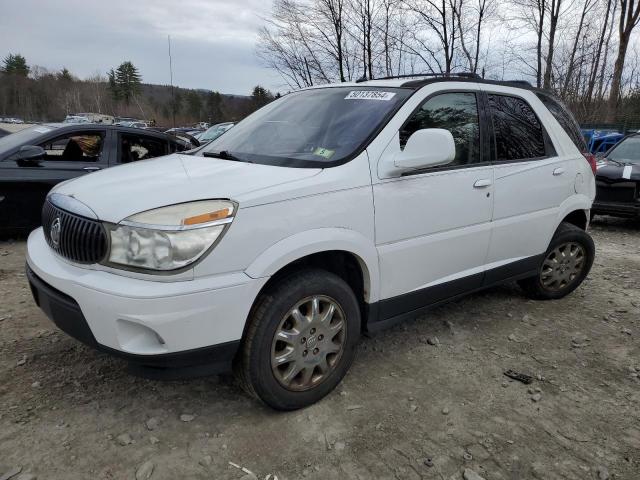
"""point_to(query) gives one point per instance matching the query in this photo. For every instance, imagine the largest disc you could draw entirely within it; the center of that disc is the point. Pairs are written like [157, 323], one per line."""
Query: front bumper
[616, 208]
[154, 323]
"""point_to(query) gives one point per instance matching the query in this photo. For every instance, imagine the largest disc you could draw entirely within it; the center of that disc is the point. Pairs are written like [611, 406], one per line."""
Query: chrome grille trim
[81, 240]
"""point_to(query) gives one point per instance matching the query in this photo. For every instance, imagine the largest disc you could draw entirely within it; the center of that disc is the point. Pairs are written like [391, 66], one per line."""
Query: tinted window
[518, 132]
[140, 147]
[75, 147]
[565, 119]
[456, 112]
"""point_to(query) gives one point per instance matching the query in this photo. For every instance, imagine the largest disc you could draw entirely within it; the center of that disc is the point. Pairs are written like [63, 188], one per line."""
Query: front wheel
[566, 264]
[301, 339]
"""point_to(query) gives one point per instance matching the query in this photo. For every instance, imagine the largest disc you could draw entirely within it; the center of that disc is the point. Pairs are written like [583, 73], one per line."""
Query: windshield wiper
[617, 162]
[224, 155]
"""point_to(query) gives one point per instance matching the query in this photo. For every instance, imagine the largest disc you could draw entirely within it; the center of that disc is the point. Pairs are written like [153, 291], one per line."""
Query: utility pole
[173, 98]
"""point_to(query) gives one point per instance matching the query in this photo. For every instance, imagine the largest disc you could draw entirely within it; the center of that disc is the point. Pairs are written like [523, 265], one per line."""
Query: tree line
[580, 49]
[37, 94]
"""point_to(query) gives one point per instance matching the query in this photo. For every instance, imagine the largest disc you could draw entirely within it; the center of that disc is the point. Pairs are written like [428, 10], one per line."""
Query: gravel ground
[426, 399]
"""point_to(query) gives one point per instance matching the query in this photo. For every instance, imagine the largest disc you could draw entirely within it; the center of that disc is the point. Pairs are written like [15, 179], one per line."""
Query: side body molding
[319, 240]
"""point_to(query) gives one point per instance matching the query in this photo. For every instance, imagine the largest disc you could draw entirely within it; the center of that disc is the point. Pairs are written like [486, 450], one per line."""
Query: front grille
[77, 238]
[615, 193]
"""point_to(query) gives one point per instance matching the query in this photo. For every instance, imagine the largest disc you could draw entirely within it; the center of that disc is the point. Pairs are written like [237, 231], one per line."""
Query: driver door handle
[482, 183]
[91, 169]
[558, 171]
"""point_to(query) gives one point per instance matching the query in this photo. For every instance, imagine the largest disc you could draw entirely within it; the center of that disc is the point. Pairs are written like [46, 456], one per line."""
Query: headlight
[169, 238]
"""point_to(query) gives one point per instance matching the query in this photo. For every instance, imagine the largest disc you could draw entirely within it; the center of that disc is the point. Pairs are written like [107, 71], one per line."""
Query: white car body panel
[186, 315]
[175, 179]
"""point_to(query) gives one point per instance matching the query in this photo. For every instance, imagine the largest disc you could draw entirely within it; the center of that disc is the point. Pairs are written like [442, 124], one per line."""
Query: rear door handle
[482, 183]
[91, 169]
[558, 171]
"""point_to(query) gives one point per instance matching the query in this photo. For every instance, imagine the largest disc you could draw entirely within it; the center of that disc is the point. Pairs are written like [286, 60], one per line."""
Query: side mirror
[30, 153]
[428, 147]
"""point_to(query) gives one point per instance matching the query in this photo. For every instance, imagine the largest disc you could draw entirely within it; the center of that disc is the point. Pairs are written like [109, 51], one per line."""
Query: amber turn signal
[207, 217]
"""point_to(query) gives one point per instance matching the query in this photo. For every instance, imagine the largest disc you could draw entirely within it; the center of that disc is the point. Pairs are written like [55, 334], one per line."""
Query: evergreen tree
[127, 81]
[214, 107]
[261, 96]
[15, 64]
[65, 75]
[194, 104]
[113, 86]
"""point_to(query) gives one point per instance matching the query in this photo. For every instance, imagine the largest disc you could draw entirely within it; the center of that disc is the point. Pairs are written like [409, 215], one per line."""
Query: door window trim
[549, 147]
[483, 134]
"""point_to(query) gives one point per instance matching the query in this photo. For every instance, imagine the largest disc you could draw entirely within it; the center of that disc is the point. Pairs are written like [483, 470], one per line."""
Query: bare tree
[629, 16]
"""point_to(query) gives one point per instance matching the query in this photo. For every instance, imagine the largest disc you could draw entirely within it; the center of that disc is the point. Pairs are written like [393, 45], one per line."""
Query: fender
[574, 202]
[319, 240]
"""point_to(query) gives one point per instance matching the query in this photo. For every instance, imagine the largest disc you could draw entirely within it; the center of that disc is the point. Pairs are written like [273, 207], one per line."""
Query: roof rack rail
[521, 83]
[416, 75]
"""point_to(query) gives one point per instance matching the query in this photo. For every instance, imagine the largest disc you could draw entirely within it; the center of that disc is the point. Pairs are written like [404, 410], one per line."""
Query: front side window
[75, 147]
[518, 132]
[456, 112]
[310, 128]
[140, 147]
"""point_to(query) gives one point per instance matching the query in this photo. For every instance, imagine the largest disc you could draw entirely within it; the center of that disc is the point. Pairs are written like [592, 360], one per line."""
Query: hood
[611, 172]
[118, 192]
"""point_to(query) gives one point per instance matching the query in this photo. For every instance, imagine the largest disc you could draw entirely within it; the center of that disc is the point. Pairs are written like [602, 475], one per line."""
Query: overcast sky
[212, 41]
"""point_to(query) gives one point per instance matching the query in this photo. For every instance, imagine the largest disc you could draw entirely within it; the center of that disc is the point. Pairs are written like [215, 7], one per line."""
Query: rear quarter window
[565, 119]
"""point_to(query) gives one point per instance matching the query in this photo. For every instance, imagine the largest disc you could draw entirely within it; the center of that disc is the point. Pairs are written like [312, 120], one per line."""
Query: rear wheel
[566, 264]
[301, 339]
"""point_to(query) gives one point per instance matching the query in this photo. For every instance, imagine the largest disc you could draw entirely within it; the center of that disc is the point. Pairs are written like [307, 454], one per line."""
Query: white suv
[329, 212]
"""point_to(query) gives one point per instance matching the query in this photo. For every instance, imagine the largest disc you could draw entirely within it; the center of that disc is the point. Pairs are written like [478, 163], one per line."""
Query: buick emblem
[56, 226]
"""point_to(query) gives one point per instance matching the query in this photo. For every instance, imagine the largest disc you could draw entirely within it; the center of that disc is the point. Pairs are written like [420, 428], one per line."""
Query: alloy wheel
[562, 266]
[308, 343]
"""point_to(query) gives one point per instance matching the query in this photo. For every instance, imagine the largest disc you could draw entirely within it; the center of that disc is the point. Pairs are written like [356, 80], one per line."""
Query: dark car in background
[618, 180]
[213, 132]
[35, 159]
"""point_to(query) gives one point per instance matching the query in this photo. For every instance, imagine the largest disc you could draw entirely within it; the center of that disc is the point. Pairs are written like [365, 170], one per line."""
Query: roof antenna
[363, 78]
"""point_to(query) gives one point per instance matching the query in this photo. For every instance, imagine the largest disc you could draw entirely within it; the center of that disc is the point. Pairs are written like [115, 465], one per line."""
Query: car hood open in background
[119, 192]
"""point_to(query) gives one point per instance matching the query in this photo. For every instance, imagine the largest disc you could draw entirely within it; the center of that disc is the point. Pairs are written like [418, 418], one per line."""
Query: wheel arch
[574, 210]
[312, 247]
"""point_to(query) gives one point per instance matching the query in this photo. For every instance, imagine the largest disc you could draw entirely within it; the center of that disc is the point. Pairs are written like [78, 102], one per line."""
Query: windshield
[23, 137]
[310, 128]
[627, 151]
[215, 131]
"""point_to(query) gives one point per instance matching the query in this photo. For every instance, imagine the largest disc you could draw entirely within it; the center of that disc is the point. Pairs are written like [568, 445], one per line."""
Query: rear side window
[565, 119]
[518, 132]
[140, 147]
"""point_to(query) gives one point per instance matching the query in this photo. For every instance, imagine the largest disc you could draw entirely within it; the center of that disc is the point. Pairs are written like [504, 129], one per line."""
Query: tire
[273, 313]
[561, 272]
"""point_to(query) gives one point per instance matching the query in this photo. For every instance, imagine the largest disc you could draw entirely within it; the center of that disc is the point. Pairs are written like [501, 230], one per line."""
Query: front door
[433, 227]
[25, 184]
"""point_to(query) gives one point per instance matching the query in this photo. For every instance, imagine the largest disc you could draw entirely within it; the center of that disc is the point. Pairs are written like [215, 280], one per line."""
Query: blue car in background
[600, 141]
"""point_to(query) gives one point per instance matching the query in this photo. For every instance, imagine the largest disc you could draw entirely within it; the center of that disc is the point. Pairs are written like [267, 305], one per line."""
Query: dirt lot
[408, 409]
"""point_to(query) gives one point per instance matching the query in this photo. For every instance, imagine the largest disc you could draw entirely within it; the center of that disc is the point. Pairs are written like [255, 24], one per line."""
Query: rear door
[531, 181]
[25, 184]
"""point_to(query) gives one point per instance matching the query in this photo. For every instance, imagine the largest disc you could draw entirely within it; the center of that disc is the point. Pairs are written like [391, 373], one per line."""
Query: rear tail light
[591, 158]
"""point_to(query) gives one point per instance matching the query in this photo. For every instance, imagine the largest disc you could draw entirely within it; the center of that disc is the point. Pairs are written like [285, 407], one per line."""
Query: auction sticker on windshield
[369, 95]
